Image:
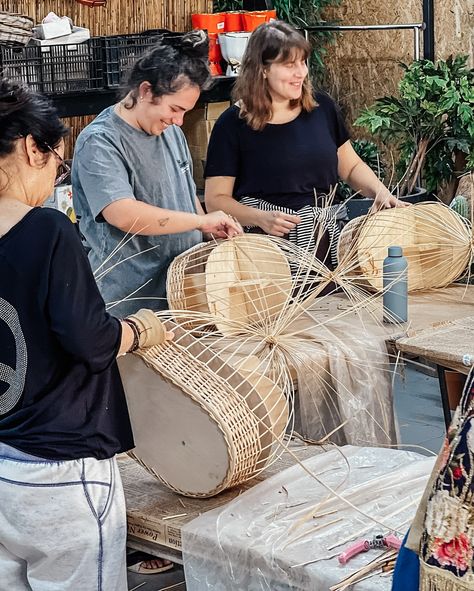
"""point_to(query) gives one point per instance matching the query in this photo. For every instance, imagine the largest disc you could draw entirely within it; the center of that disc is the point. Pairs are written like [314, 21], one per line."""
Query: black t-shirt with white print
[61, 396]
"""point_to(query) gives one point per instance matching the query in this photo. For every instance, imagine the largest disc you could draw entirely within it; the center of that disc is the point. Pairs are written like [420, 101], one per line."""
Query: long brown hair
[274, 42]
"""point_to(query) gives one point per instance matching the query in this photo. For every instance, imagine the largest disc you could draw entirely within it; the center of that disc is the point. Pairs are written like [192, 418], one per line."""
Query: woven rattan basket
[200, 426]
[246, 279]
[436, 241]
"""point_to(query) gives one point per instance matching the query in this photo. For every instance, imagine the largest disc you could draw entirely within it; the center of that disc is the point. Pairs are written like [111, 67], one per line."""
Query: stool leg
[444, 395]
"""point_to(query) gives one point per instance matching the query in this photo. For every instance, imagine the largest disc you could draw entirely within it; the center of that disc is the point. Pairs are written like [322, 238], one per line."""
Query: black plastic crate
[55, 69]
[120, 52]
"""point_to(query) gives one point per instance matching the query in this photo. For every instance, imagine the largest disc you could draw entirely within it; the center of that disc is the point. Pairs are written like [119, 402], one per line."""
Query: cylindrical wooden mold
[244, 280]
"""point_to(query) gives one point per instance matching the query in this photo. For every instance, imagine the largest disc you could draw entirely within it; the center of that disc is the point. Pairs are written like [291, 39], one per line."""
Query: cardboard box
[197, 128]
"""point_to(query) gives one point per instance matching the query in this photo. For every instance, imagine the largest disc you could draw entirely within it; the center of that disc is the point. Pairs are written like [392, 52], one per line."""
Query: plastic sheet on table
[344, 388]
[286, 532]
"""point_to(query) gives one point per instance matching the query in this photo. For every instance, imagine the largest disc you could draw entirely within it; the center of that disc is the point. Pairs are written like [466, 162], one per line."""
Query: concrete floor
[419, 410]
[420, 419]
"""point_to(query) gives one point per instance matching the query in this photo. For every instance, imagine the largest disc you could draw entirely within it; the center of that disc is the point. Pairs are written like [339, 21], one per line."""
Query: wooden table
[155, 514]
[440, 329]
[449, 345]
[425, 310]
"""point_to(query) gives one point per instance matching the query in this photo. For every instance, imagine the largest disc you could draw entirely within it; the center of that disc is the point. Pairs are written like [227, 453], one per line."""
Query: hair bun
[194, 44]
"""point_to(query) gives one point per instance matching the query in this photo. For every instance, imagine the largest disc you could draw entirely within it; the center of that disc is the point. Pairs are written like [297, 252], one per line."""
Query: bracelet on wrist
[136, 335]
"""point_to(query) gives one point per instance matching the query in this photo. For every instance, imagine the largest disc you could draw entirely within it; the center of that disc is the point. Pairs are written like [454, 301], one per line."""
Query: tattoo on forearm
[163, 221]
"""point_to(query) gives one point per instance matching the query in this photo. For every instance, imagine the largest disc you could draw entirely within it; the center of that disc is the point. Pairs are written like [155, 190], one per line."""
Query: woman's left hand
[385, 200]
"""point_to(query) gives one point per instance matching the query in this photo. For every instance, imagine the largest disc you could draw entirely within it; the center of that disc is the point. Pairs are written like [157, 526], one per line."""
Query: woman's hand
[150, 328]
[277, 223]
[141, 330]
[385, 200]
[220, 225]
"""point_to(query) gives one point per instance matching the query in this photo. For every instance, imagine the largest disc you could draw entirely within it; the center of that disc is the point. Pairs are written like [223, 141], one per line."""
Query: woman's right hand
[277, 223]
[220, 225]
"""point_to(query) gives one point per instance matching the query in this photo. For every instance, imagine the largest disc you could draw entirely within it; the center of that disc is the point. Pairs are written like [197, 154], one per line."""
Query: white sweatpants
[62, 524]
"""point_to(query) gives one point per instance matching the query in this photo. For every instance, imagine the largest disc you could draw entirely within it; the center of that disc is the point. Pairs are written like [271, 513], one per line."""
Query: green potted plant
[430, 124]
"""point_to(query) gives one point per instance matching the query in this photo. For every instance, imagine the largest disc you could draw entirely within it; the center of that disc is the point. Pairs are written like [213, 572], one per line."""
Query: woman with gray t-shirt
[132, 175]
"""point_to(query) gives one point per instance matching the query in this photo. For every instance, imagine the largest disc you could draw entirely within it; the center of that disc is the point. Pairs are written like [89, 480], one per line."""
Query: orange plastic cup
[233, 22]
[211, 22]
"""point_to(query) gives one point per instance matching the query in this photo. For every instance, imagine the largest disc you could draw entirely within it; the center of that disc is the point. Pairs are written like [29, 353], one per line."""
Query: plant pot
[233, 47]
[233, 22]
[357, 207]
[252, 20]
[211, 22]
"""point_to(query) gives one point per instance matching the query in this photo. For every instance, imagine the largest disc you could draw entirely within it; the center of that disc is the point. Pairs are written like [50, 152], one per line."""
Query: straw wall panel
[362, 66]
[454, 28]
[117, 17]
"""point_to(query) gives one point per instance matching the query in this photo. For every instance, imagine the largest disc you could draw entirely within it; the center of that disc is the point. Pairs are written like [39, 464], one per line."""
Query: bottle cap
[395, 251]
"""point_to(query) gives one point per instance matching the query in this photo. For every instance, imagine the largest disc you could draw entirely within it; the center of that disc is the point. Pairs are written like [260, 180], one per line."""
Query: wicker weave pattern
[179, 291]
[246, 280]
[227, 409]
[436, 241]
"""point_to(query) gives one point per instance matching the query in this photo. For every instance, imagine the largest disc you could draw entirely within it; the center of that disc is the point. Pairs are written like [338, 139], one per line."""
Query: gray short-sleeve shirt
[112, 161]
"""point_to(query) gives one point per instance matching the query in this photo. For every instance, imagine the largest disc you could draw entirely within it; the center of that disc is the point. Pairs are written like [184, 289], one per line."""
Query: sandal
[142, 559]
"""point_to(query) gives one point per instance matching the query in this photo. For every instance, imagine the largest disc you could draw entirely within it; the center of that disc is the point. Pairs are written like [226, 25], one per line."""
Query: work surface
[425, 309]
[439, 326]
[156, 516]
[284, 529]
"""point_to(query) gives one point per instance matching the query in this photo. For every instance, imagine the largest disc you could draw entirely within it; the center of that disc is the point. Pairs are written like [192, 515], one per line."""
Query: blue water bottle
[395, 285]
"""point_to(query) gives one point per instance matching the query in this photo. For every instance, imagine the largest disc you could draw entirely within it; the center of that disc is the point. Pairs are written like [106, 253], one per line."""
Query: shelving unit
[77, 104]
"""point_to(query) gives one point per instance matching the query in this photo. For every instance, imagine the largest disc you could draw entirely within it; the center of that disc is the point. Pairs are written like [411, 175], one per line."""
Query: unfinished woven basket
[436, 241]
[246, 279]
[200, 425]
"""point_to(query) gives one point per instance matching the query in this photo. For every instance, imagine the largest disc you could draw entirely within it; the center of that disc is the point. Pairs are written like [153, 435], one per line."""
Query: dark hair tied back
[174, 62]
[194, 44]
[24, 112]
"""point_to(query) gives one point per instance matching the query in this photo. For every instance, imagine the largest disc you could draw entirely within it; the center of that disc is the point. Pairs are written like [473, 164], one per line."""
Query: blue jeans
[62, 524]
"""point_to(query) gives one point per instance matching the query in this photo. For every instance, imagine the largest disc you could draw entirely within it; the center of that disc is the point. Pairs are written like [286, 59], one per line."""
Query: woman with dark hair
[132, 175]
[63, 414]
[280, 149]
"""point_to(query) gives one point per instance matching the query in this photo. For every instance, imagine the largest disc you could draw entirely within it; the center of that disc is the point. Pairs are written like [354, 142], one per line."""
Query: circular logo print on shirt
[14, 378]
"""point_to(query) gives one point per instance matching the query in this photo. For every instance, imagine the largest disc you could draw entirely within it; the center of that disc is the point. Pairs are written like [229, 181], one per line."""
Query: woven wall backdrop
[362, 66]
[117, 17]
